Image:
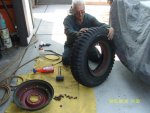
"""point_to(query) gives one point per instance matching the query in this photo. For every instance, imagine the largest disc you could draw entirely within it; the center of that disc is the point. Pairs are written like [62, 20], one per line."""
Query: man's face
[79, 12]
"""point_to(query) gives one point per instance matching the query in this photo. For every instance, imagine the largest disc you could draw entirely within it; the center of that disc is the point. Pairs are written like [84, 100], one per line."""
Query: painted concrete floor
[122, 92]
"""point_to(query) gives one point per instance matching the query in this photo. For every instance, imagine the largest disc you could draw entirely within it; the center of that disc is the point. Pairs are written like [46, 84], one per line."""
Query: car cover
[131, 21]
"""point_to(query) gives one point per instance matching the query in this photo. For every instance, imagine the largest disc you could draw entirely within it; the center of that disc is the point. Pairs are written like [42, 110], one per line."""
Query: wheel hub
[33, 94]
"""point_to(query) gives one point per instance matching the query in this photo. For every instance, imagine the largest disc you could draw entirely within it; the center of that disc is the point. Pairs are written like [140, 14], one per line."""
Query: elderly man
[77, 23]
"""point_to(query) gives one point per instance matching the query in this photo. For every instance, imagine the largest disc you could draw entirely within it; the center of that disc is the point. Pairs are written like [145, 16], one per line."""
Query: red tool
[48, 69]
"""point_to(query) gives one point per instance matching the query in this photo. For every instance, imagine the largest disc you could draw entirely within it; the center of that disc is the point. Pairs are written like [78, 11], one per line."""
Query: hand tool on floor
[59, 77]
[43, 45]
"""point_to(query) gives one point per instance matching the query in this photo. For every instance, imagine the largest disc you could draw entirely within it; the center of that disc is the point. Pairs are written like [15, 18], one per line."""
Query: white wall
[28, 17]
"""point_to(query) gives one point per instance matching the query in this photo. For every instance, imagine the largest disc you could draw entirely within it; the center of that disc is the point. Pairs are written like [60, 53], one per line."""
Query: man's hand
[110, 33]
[83, 30]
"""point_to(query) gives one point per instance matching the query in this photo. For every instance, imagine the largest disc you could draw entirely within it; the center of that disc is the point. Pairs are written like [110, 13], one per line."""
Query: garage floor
[122, 92]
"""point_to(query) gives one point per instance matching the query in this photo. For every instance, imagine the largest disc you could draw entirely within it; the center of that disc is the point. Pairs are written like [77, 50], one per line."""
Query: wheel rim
[102, 66]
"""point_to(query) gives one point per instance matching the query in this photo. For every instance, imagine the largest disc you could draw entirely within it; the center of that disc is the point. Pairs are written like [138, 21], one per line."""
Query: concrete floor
[122, 92]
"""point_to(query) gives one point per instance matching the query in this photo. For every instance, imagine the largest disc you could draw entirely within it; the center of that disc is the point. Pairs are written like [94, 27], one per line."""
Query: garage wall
[54, 1]
[46, 2]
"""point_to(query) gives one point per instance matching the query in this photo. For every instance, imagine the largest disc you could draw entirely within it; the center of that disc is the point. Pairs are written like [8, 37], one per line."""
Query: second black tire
[79, 58]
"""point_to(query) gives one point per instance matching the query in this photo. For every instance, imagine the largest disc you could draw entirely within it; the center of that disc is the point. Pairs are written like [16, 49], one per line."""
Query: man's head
[110, 2]
[78, 9]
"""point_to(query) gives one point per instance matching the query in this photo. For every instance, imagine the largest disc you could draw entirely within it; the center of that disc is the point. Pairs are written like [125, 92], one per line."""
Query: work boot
[66, 56]
[65, 61]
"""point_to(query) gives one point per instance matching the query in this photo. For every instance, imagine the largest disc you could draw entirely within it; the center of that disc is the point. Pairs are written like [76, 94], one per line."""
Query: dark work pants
[0, 49]
[66, 55]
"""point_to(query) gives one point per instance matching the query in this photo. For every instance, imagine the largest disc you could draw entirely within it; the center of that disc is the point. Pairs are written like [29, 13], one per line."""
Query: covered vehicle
[131, 21]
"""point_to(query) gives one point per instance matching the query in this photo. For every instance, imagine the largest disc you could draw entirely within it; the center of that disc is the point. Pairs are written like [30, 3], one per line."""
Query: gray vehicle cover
[131, 21]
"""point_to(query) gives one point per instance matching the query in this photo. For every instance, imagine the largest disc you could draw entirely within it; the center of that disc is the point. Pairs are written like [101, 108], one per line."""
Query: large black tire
[79, 58]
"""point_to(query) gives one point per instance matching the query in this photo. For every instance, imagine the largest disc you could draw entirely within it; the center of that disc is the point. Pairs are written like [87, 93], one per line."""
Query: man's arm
[69, 30]
[96, 23]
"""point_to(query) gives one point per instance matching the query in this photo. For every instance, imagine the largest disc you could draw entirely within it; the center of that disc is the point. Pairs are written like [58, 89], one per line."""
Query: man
[77, 23]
